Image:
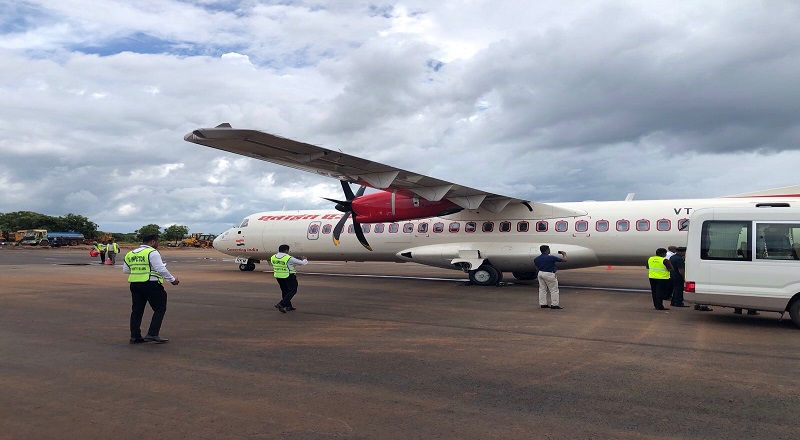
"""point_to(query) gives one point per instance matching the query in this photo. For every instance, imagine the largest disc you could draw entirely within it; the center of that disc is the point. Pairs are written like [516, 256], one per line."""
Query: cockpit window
[244, 223]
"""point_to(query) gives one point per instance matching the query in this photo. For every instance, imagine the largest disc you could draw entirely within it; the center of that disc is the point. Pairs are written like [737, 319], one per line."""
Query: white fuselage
[597, 238]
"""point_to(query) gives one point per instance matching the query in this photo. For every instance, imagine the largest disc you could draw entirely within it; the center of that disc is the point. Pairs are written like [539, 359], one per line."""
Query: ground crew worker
[147, 274]
[112, 250]
[101, 249]
[658, 268]
[283, 267]
[548, 282]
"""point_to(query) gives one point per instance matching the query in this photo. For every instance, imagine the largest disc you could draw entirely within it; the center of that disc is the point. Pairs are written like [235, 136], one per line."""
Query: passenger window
[581, 226]
[601, 226]
[422, 228]
[379, 228]
[313, 229]
[623, 225]
[642, 225]
[326, 229]
[725, 240]
[470, 227]
[663, 225]
[487, 227]
[561, 226]
[438, 227]
[454, 227]
[523, 226]
[777, 241]
[350, 229]
[365, 228]
[541, 226]
[505, 226]
[683, 224]
[408, 228]
[393, 228]
[244, 223]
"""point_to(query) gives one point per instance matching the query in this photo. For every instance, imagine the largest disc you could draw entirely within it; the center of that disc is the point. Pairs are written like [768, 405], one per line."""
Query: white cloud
[548, 100]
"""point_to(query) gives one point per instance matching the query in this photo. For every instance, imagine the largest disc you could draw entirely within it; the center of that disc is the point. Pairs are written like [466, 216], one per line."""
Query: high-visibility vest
[100, 247]
[113, 248]
[280, 266]
[656, 268]
[138, 260]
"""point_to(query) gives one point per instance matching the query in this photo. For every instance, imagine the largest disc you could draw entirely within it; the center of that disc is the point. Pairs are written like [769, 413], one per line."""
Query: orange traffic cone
[608, 267]
[108, 261]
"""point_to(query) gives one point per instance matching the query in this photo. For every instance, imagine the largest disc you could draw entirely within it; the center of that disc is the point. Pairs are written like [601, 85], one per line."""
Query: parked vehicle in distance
[65, 238]
[745, 258]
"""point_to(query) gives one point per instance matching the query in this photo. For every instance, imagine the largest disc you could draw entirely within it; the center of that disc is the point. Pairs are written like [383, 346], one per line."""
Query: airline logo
[240, 242]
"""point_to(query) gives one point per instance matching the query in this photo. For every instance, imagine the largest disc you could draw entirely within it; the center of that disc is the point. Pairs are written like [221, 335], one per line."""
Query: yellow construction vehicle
[198, 239]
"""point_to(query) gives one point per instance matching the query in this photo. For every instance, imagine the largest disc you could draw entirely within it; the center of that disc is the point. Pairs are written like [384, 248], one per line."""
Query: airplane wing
[338, 165]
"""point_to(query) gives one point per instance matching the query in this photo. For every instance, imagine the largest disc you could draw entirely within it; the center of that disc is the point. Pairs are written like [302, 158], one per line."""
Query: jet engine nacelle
[391, 207]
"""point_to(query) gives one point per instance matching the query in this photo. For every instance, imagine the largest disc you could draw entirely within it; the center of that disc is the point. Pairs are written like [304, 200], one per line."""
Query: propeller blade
[360, 234]
[348, 192]
[337, 231]
[361, 191]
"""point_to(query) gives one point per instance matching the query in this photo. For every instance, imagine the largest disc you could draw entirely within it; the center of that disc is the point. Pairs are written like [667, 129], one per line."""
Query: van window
[725, 240]
[777, 241]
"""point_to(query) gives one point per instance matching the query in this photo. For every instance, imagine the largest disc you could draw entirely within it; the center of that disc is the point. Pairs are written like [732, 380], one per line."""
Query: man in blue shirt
[548, 283]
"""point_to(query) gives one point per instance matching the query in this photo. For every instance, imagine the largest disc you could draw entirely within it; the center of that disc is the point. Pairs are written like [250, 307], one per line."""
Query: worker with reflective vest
[147, 273]
[658, 268]
[112, 250]
[283, 268]
[101, 249]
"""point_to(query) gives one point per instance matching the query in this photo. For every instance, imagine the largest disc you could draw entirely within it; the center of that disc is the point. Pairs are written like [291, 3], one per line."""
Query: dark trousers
[102, 257]
[147, 292]
[288, 289]
[659, 289]
[677, 292]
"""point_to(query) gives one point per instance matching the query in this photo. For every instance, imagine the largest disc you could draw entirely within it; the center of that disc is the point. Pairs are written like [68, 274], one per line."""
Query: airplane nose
[216, 243]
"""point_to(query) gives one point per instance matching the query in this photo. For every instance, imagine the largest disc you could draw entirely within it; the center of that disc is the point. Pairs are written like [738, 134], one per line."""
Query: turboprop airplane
[421, 219]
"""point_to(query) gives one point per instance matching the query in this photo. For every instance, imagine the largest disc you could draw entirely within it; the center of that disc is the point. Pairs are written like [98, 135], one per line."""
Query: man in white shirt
[147, 274]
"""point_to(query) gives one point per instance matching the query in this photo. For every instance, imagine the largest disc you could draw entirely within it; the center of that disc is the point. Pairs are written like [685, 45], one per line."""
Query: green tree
[147, 229]
[175, 232]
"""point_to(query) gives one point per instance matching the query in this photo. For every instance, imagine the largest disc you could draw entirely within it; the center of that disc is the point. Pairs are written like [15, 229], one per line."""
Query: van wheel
[794, 312]
[485, 276]
[524, 276]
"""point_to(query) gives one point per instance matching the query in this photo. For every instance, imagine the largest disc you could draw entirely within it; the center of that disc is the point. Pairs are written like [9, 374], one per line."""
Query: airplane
[421, 219]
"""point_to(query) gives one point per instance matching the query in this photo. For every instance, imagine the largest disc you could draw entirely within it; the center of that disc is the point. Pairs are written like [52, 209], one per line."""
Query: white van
[746, 258]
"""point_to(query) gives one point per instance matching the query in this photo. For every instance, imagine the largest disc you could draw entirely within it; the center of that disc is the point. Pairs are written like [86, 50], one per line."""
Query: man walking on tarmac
[283, 267]
[147, 274]
[101, 249]
[112, 250]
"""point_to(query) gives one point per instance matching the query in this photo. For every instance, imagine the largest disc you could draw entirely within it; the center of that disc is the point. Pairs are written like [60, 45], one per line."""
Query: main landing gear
[486, 275]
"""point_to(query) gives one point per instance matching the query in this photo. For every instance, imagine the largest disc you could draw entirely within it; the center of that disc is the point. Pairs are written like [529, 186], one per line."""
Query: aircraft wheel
[794, 312]
[524, 276]
[485, 276]
[251, 267]
[243, 267]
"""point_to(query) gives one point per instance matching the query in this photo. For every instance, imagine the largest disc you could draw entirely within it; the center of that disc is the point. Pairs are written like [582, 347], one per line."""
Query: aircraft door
[313, 230]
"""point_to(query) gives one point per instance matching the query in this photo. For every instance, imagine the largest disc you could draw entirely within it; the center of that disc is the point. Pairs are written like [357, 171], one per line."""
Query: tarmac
[379, 351]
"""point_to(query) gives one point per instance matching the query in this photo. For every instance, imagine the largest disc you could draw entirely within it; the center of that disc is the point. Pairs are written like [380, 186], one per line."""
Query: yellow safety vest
[138, 260]
[100, 247]
[113, 248]
[656, 268]
[280, 266]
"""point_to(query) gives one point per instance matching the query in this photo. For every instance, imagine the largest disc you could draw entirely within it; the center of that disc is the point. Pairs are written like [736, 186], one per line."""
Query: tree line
[19, 220]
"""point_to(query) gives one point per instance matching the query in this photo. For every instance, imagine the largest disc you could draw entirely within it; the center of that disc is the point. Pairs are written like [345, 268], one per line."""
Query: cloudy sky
[548, 100]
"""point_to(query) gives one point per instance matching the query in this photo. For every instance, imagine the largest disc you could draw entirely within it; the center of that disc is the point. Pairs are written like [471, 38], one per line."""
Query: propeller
[346, 206]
